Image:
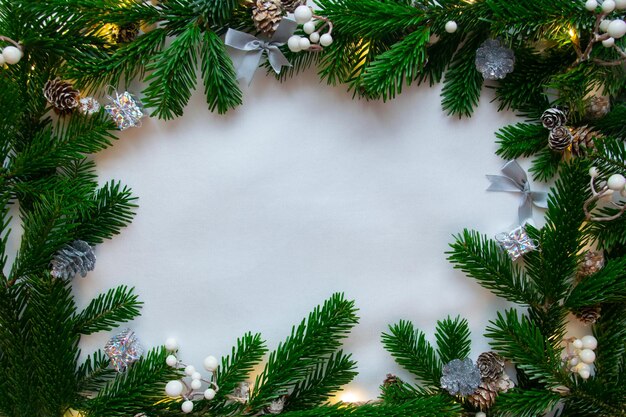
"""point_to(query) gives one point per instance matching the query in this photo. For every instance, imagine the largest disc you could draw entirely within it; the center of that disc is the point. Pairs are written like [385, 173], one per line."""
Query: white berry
[617, 29]
[573, 361]
[209, 394]
[593, 172]
[591, 5]
[326, 39]
[584, 374]
[578, 344]
[608, 6]
[620, 4]
[309, 27]
[451, 26]
[293, 43]
[171, 360]
[314, 37]
[616, 182]
[305, 44]
[589, 342]
[587, 356]
[210, 363]
[604, 25]
[196, 375]
[196, 384]
[174, 389]
[187, 407]
[190, 369]
[583, 367]
[481, 414]
[607, 43]
[12, 55]
[171, 344]
[303, 14]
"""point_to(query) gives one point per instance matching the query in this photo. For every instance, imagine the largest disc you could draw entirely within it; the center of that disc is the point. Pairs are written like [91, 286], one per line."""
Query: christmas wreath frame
[563, 51]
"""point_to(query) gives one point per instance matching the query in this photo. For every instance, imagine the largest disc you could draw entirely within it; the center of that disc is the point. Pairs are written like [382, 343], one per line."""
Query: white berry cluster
[615, 183]
[615, 28]
[316, 40]
[580, 355]
[189, 387]
[10, 55]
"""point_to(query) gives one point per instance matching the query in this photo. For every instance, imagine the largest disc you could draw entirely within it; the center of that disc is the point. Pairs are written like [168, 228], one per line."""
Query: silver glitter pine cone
[460, 377]
[267, 15]
[493, 60]
[490, 365]
[560, 138]
[62, 95]
[588, 315]
[553, 118]
[75, 258]
[291, 5]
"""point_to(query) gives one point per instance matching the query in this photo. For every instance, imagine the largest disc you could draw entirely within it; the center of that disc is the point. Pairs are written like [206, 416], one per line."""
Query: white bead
[309, 27]
[196, 384]
[587, 356]
[608, 6]
[305, 44]
[591, 5]
[578, 344]
[303, 14]
[451, 26]
[620, 4]
[171, 360]
[604, 25]
[314, 37]
[589, 342]
[584, 374]
[616, 182]
[326, 39]
[583, 367]
[174, 389]
[210, 363]
[573, 361]
[617, 29]
[171, 344]
[12, 55]
[593, 172]
[481, 414]
[209, 394]
[190, 369]
[187, 407]
[196, 375]
[607, 43]
[293, 43]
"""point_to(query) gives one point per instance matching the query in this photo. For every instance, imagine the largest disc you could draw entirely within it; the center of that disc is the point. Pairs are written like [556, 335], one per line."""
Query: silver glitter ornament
[123, 350]
[88, 105]
[516, 242]
[125, 110]
[493, 60]
[75, 258]
[460, 377]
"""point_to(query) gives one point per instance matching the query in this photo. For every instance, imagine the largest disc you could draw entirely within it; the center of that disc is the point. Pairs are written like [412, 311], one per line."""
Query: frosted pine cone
[77, 258]
[560, 138]
[592, 262]
[267, 15]
[62, 96]
[582, 140]
[290, 5]
[598, 107]
[553, 117]
[491, 366]
[588, 315]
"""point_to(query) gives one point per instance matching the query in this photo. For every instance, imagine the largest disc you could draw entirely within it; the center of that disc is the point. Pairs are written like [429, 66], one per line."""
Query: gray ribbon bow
[515, 180]
[247, 50]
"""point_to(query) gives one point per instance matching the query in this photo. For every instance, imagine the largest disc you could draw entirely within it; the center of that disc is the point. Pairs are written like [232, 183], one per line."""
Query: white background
[247, 221]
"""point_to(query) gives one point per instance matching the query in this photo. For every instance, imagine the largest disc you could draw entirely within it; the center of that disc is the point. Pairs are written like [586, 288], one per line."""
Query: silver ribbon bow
[515, 180]
[247, 50]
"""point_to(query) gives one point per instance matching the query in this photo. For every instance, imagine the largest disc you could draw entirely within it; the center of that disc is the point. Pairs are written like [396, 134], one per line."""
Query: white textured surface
[247, 221]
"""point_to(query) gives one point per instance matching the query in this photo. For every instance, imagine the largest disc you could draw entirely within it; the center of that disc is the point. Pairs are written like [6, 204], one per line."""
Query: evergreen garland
[381, 47]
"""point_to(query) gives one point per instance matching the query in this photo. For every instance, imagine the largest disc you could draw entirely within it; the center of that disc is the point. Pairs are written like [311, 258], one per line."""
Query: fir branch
[605, 286]
[93, 374]
[106, 311]
[610, 156]
[309, 343]
[546, 164]
[220, 79]
[526, 403]
[440, 55]
[482, 259]
[414, 353]
[453, 339]
[521, 140]
[613, 123]
[610, 331]
[399, 392]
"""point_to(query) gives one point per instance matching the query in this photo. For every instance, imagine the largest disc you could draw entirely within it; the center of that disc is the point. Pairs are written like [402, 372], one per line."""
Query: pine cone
[491, 366]
[76, 258]
[126, 33]
[588, 315]
[553, 118]
[591, 263]
[267, 15]
[582, 139]
[598, 107]
[62, 96]
[560, 138]
[391, 379]
[484, 396]
[291, 5]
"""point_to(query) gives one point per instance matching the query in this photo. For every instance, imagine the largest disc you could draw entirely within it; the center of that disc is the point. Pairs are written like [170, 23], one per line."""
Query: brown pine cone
[291, 5]
[598, 107]
[592, 262]
[582, 140]
[484, 396]
[491, 366]
[560, 138]
[391, 379]
[267, 15]
[125, 33]
[62, 95]
[588, 315]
